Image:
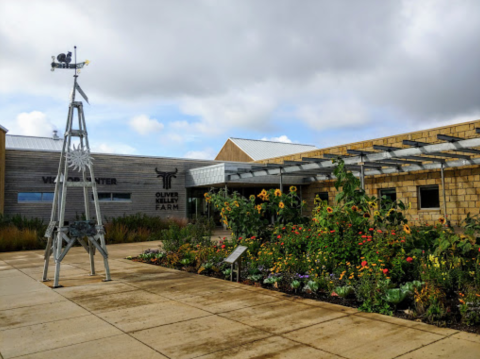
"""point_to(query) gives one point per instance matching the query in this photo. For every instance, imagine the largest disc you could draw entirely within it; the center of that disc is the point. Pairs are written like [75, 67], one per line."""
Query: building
[3, 132]
[407, 167]
[244, 150]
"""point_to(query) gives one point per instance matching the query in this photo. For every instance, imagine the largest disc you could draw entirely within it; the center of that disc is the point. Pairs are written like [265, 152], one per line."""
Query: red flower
[377, 252]
[385, 271]
[297, 233]
[279, 236]
[402, 241]
[379, 231]
[332, 231]
[371, 229]
[282, 244]
[409, 259]
[239, 237]
[393, 233]
[223, 246]
[283, 228]
[360, 243]
[349, 224]
[359, 232]
[253, 237]
[369, 239]
[224, 237]
[364, 236]
[364, 263]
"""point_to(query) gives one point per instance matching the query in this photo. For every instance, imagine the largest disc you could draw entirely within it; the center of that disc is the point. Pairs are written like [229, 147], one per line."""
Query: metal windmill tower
[89, 233]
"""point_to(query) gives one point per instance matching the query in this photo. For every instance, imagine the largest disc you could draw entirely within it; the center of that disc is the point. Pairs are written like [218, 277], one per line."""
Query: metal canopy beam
[417, 158]
[367, 164]
[293, 163]
[453, 139]
[313, 159]
[442, 154]
[465, 144]
[395, 160]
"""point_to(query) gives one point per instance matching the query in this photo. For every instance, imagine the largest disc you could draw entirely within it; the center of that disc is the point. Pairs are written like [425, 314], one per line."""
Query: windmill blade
[77, 86]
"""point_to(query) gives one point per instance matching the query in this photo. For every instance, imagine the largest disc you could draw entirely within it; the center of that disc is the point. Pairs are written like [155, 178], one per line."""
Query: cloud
[144, 125]
[282, 138]
[113, 148]
[234, 66]
[206, 154]
[33, 123]
[336, 113]
[240, 109]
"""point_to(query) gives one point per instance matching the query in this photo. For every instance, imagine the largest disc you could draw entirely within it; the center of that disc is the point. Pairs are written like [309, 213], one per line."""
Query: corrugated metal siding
[260, 150]
[14, 142]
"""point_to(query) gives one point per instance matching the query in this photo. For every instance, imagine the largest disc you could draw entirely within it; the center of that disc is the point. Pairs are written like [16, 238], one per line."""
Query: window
[114, 197]
[322, 195]
[389, 193]
[429, 197]
[35, 197]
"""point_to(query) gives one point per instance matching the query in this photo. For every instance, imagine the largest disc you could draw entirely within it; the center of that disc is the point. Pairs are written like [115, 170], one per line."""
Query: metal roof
[260, 149]
[16, 142]
[3, 129]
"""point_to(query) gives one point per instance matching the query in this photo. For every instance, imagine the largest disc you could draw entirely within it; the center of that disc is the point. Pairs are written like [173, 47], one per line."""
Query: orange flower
[354, 208]
[329, 209]
[441, 220]
[281, 205]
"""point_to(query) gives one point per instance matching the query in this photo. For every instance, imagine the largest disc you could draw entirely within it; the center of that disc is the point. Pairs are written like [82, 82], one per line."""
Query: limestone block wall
[462, 185]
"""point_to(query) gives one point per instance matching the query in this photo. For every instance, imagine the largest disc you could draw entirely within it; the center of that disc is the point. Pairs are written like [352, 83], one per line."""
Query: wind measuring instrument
[61, 234]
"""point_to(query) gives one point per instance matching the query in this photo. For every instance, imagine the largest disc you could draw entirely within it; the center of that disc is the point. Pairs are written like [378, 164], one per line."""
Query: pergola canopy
[450, 153]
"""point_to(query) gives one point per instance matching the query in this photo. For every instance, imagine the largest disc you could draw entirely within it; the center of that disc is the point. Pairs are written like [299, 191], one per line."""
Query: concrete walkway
[151, 312]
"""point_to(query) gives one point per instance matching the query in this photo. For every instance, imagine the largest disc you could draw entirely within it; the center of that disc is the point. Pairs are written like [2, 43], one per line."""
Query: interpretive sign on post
[236, 257]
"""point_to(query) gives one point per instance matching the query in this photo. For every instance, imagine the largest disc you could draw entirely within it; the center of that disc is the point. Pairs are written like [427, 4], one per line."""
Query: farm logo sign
[167, 177]
[166, 201]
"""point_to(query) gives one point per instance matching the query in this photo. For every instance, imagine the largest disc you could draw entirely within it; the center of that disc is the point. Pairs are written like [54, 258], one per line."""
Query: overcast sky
[177, 78]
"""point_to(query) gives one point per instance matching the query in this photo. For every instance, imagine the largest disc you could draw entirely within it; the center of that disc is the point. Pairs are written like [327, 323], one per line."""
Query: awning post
[442, 173]
[281, 180]
[362, 173]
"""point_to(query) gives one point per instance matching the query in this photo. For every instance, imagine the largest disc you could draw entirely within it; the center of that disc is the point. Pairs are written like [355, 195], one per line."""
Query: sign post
[236, 258]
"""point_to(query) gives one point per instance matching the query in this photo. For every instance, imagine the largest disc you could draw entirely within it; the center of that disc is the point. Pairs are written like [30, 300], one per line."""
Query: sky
[177, 78]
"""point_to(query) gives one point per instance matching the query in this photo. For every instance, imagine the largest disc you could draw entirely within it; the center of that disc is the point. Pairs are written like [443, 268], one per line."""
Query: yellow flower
[376, 213]
[281, 205]
[205, 194]
[329, 209]
[252, 197]
[278, 193]
[229, 209]
[441, 220]
[372, 204]
[226, 204]
[407, 229]
[293, 189]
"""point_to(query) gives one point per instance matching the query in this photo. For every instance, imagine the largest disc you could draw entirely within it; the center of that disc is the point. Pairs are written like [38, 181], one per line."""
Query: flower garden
[359, 252]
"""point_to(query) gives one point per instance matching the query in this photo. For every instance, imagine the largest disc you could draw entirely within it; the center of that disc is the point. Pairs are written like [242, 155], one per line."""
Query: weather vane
[64, 62]
[89, 233]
